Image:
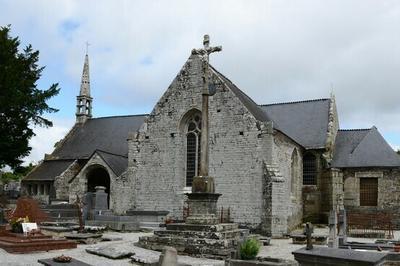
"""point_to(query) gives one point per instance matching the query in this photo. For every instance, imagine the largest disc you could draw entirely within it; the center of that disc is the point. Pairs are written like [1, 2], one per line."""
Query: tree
[16, 175]
[398, 152]
[22, 104]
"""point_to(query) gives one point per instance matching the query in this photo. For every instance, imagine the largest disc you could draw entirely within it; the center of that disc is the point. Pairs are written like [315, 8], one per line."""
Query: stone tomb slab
[110, 252]
[18, 243]
[332, 256]
[84, 238]
[73, 262]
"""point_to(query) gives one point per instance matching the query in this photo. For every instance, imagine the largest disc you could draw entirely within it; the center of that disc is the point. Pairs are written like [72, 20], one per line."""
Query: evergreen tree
[22, 104]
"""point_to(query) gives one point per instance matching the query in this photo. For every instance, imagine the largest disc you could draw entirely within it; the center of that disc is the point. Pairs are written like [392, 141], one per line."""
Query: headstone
[100, 200]
[168, 257]
[308, 233]
[333, 241]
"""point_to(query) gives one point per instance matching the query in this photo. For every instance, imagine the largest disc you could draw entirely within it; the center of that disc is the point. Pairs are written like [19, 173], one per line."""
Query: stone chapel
[275, 165]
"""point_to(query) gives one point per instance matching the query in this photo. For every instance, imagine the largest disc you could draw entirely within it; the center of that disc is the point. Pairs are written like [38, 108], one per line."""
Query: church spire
[84, 101]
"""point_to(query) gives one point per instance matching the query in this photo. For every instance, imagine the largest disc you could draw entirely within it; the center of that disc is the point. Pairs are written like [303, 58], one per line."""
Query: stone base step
[228, 234]
[210, 248]
[197, 227]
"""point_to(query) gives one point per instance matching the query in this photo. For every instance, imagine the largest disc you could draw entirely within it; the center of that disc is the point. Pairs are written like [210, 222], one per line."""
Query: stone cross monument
[203, 199]
[204, 53]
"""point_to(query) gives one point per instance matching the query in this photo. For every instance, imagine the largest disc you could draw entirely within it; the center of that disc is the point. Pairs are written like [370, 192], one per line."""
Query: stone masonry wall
[61, 185]
[292, 196]
[157, 158]
[388, 190]
[312, 197]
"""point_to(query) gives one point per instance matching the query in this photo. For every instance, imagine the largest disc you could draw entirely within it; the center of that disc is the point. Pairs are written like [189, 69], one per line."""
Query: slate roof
[253, 108]
[106, 133]
[306, 122]
[363, 148]
[117, 163]
[48, 170]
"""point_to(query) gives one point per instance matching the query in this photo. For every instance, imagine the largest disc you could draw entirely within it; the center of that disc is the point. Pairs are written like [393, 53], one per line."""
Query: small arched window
[309, 169]
[193, 135]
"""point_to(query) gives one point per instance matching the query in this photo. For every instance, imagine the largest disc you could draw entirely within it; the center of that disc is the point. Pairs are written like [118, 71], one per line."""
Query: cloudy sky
[275, 51]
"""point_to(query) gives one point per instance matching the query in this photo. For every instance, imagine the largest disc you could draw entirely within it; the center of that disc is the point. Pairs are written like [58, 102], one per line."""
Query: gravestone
[100, 199]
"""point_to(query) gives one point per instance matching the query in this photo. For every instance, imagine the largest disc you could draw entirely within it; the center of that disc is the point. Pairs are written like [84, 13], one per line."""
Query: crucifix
[204, 53]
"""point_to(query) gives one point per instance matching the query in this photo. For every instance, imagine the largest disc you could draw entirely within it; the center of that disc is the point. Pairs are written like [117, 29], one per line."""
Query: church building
[275, 165]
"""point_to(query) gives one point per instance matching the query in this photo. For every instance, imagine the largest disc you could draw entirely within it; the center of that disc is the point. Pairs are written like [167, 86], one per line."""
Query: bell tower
[84, 101]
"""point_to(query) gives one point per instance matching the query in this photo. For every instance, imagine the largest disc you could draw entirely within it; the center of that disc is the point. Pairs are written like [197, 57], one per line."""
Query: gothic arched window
[309, 169]
[193, 133]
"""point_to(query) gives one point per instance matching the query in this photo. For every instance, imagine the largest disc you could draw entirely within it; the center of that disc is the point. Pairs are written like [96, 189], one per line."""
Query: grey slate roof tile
[106, 133]
[306, 122]
[117, 163]
[253, 108]
[48, 170]
[363, 148]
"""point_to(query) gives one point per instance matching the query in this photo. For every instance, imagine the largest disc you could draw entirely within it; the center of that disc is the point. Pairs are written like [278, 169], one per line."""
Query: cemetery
[208, 177]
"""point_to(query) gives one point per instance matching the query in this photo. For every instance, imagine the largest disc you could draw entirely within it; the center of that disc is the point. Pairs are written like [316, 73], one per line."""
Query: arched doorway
[98, 176]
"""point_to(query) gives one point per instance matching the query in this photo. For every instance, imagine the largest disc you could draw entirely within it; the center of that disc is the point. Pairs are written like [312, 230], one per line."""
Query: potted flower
[16, 224]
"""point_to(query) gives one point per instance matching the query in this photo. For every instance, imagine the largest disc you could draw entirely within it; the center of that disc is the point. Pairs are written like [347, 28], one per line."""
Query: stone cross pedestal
[203, 199]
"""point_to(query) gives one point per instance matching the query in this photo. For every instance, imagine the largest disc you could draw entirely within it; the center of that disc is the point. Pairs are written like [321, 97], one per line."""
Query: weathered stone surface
[331, 256]
[211, 241]
[110, 252]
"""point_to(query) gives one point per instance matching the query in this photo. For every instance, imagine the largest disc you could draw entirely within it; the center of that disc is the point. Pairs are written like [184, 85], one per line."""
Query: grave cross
[204, 53]
[308, 232]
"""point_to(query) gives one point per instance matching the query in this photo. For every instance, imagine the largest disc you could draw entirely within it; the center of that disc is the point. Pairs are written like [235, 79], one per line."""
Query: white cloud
[273, 50]
[45, 139]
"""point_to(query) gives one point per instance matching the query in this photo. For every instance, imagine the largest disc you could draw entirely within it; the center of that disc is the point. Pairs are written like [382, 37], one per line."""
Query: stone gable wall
[61, 182]
[120, 187]
[237, 150]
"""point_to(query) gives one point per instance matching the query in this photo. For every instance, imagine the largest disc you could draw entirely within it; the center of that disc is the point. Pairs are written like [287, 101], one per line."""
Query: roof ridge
[355, 129]
[115, 116]
[293, 102]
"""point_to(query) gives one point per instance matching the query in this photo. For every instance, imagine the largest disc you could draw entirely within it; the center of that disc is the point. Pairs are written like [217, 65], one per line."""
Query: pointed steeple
[84, 101]
[85, 82]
